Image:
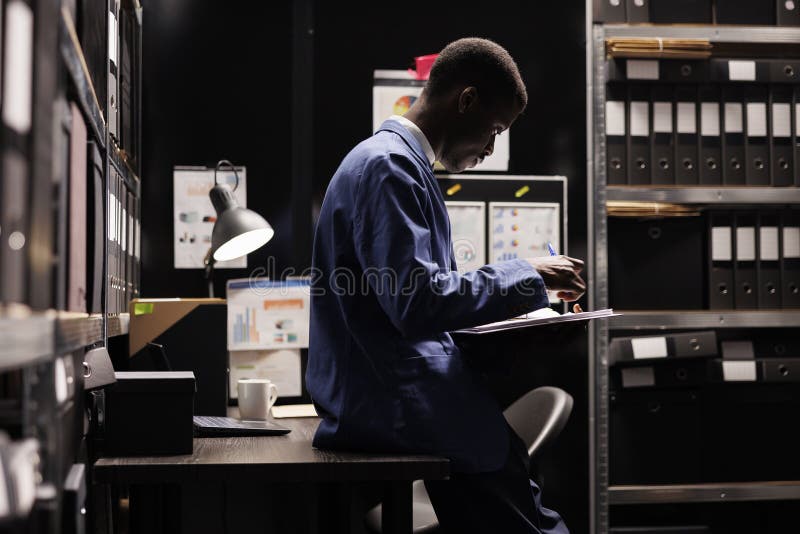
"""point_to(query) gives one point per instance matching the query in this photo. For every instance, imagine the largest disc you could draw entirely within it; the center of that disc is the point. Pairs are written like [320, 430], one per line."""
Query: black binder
[796, 137]
[790, 259]
[678, 345]
[720, 283]
[637, 11]
[686, 135]
[93, 36]
[769, 266]
[638, 135]
[635, 69]
[740, 70]
[680, 11]
[77, 234]
[96, 229]
[733, 172]
[757, 128]
[782, 148]
[670, 250]
[745, 12]
[710, 143]
[616, 161]
[662, 167]
[685, 70]
[609, 11]
[779, 370]
[112, 114]
[783, 70]
[744, 270]
[786, 16]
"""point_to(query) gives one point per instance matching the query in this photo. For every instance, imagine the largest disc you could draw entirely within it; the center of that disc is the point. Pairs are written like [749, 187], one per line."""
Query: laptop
[206, 426]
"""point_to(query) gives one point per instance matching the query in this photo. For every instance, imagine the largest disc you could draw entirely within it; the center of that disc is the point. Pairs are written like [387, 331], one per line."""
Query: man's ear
[467, 99]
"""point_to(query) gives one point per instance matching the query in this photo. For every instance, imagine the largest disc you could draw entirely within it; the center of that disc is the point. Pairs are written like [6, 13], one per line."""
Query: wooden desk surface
[288, 458]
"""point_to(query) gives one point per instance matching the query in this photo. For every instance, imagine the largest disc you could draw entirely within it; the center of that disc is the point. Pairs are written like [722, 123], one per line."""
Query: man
[383, 371]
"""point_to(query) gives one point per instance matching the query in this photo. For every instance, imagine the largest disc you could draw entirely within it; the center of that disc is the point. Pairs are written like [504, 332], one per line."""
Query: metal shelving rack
[599, 195]
[728, 196]
[782, 490]
[36, 343]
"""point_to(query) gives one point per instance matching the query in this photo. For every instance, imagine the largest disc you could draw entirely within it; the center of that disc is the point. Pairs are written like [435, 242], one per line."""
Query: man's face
[471, 139]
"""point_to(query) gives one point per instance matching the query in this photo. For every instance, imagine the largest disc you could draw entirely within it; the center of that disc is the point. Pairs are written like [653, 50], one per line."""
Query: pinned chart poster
[194, 215]
[468, 231]
[282, 367]
[268, 315]
[522, 229]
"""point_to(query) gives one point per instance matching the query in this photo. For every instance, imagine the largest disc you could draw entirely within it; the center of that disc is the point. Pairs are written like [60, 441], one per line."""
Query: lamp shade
[238, 231]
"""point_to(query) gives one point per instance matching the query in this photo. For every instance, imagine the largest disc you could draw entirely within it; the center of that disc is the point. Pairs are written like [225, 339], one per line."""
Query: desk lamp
[237, 231]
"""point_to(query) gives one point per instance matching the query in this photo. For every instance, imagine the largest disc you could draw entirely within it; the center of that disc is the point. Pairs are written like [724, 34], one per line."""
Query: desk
[273, 459]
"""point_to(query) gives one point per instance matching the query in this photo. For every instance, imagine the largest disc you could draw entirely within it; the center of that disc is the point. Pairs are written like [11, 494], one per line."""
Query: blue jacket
[382, 370]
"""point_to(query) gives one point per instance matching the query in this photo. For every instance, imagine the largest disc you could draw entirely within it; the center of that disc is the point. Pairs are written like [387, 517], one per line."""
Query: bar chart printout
[268, 315]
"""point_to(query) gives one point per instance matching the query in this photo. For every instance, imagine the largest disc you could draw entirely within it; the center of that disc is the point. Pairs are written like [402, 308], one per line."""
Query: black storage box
[149, 413]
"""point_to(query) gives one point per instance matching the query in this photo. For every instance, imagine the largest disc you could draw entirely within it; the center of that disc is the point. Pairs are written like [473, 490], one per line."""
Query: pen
[551, 249]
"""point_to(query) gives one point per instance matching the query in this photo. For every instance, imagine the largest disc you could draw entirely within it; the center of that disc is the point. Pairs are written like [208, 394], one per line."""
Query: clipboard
[523, 322]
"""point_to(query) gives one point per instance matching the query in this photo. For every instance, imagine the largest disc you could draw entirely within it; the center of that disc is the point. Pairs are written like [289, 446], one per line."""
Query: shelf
[76, 330]
[79, 74]
[27, 338]
[119, 325]
[131, 180]
[705, 195]
[716, 492]
[719, 34]
[667, 320]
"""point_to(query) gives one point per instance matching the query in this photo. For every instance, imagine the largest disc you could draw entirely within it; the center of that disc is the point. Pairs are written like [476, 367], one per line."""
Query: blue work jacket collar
[409, 139]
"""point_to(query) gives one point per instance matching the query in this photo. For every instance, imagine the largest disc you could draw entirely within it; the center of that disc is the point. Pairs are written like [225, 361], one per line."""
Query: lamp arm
[222, 162]
[209, 262]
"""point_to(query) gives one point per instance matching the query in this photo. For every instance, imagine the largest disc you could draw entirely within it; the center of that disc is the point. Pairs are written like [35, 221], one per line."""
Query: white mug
[256, 397]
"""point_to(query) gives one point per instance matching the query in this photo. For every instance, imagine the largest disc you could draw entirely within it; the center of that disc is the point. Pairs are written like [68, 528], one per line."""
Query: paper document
[294, 410]
[537, 318]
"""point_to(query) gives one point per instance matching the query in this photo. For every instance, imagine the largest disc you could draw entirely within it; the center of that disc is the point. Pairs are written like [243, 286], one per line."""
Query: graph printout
[468, 231]
[522, 229]
[268, 315]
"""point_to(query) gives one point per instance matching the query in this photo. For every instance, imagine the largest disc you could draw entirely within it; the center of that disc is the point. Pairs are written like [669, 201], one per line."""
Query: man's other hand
[561, 274]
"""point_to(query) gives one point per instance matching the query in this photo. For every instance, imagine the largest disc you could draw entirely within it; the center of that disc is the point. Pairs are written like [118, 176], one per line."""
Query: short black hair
[478, 62]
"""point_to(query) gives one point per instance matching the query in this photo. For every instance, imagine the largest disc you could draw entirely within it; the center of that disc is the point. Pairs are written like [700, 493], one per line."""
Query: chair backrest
[539, 416]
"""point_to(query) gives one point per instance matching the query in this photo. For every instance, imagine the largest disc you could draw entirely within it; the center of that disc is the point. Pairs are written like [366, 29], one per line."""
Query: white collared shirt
[418, 135]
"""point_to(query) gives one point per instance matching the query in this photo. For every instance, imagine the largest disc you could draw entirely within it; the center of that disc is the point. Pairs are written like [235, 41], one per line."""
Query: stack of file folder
[691, 359]
[687, 399]
[673, 360]
[754, 259]
[658, 48]
[621, 208]
[703, 122]
[750, 12]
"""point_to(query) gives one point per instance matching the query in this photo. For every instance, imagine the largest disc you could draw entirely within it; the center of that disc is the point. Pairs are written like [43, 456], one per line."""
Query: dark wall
[549, 138]
[214, 87]
[217, 83]
[546, 41]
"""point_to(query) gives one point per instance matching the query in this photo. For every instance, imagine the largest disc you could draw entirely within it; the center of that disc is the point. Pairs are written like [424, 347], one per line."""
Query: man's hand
[561, 274]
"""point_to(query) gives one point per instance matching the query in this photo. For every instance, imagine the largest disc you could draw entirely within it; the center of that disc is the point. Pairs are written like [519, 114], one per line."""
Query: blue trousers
[505, 501]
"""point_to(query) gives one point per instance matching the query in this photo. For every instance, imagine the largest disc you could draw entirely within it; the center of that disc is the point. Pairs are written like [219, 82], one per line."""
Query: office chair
[538, 417]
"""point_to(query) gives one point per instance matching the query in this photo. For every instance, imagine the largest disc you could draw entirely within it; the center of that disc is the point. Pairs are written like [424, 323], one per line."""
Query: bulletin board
[501, 217]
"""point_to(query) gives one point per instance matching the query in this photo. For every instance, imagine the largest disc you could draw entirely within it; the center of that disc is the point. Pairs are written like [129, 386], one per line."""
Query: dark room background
[218, 83]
